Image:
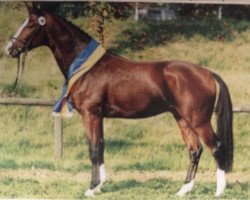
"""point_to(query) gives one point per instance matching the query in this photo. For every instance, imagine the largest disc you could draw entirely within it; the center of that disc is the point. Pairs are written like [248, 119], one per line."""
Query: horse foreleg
[101, 165]
[195, 149]
[94, 128]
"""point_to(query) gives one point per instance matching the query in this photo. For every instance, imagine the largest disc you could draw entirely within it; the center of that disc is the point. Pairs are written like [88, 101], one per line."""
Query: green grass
[145, 146]
[125, 189]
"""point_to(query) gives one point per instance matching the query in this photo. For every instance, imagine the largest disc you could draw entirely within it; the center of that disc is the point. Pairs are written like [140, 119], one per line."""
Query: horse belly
[137, 100]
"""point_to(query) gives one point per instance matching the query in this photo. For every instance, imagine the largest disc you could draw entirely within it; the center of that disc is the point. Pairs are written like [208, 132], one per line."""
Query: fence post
[58, 137]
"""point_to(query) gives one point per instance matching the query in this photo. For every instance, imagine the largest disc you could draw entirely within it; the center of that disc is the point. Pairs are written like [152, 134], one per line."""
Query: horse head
[43, 28]
[30, 34]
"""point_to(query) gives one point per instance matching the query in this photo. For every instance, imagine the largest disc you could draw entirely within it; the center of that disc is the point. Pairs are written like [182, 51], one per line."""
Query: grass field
[145, 159]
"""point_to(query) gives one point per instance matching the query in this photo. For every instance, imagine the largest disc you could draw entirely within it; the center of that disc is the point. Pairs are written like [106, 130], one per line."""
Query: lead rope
[20, 68]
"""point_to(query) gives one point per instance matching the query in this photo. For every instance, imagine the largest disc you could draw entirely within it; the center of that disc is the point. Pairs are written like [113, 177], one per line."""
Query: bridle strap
[26, 44]
[24, 50]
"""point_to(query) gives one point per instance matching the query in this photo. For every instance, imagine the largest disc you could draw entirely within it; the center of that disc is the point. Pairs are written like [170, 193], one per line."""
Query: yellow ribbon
[86, 66]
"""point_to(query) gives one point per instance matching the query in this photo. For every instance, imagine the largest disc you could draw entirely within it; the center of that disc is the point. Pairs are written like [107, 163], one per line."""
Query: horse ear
[31, 7]
[50, 7]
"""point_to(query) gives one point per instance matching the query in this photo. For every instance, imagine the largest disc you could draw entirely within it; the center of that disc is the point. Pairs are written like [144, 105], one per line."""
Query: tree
[104, 11]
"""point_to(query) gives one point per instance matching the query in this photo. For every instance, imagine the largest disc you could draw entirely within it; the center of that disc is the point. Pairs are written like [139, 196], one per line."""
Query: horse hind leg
[195, 150]
[217, 149]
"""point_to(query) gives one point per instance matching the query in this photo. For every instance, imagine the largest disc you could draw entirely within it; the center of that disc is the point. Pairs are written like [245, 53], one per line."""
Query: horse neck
[65, 43]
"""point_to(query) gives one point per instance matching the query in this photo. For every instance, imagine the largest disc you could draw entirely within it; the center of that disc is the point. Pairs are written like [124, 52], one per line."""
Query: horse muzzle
[13, 51]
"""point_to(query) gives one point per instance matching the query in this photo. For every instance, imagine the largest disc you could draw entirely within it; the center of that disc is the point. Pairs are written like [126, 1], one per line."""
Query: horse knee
[94, 157]
[194, 156]
[94, 153]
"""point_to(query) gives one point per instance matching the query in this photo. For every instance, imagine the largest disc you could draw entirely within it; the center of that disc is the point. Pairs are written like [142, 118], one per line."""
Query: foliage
[197, 11]
[98, 11]
[20, 91]
[153, 33]
[71, 9]
[237, 12]
[102, 11]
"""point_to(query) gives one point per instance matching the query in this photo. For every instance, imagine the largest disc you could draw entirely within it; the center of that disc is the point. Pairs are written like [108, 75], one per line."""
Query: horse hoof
[89, 193]
[219, 192]
[97, 190]
[185, 188]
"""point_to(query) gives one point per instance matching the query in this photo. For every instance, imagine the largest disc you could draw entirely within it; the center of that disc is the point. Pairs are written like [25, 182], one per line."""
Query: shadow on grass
[9, 181]
[8, 164]
[13, 165]
[156, 188]
[145, 34]
[114, 146]
[145, 186]
[121, 185]
[146, 166]
[23, 146]
[73, 141]
[168, 188]
[22, 90]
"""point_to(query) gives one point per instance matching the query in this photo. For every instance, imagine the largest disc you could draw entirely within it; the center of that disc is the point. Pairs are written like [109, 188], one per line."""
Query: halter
[24, 48]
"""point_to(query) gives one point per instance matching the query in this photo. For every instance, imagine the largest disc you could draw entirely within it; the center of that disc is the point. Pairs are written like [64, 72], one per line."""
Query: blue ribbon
[74, 67]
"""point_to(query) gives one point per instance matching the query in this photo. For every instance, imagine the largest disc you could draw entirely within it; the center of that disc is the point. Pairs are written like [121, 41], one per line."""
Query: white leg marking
[221, 182]
[19, 31]
[102, 173]
[97, 189]
[89, 193]
[186, 188]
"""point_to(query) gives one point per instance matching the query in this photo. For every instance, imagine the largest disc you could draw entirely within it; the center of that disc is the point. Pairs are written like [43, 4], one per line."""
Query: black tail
[225, 122]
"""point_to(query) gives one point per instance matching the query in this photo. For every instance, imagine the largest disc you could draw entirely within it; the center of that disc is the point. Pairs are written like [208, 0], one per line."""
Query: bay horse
[116, 87]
